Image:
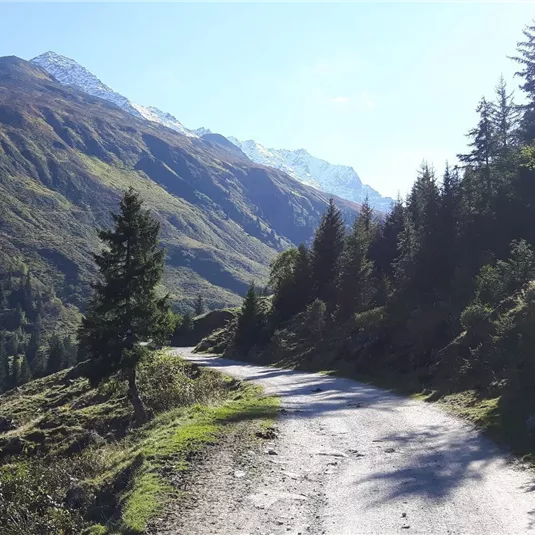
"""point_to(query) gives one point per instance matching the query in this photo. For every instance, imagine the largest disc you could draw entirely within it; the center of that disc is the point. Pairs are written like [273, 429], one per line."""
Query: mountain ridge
[339, 180]
[66, 157]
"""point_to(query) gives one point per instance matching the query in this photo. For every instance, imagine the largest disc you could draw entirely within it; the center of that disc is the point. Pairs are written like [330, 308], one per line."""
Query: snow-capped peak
[68, 72]
[341, 180]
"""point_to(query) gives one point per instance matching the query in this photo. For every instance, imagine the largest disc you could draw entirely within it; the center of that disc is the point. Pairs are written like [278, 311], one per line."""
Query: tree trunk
[140, 414]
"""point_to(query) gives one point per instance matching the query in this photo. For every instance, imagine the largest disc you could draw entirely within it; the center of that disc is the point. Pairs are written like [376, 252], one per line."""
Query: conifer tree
[125, 309]
[355, 286]
[57, 359]
[326, 250]
[384, 250]
[33, 346]
[200, 307]
[526, 59]
[483, 143]
[24, 372]
[303, 279]
[71, 353]
[505, 118]
[250, 319]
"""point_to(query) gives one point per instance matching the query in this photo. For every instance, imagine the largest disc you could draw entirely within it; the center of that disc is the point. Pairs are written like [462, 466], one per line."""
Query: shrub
[370, 320]
[166, 382]
[475, 318]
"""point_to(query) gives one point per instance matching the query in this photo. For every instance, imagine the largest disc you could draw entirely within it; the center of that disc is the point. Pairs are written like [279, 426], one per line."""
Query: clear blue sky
[379, 86]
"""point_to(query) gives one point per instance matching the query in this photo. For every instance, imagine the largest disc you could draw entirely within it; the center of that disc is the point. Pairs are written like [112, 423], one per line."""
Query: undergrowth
[73, 464]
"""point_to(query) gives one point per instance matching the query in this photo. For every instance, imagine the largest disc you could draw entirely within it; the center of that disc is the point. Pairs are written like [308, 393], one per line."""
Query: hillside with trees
[441, 295]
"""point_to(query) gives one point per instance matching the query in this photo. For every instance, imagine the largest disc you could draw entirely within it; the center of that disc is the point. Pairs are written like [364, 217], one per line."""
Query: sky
[378, 86]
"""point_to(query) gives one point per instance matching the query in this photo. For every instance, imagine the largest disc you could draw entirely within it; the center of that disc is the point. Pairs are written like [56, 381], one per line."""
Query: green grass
[127, 478]
[170, 443]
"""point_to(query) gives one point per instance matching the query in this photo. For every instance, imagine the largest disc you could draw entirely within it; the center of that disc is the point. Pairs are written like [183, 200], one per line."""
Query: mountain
[69, 72]
[339, 180]
[66, 157]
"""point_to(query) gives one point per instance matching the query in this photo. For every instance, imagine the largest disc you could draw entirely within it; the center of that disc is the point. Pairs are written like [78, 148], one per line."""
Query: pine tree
[71, 353]
[504, 117]
[326, 250]
[302, 279]
[526, 59]
[57, 358]
[200, 308]
[33, 346]
[125, 309]
[355, 286]
[24, 372]
[482, 142]
[384, 250]
[249, 326]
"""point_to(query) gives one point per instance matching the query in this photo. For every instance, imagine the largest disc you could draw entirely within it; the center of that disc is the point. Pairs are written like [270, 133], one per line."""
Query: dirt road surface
[352, 459]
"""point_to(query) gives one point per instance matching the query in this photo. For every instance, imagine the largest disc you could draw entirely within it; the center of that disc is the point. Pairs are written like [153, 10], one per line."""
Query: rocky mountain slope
[342, 180]
[339, 180]
[66, 157]
[69, 72]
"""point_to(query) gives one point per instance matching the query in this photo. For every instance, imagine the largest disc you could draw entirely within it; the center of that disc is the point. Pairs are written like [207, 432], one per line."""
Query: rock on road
[355, 459]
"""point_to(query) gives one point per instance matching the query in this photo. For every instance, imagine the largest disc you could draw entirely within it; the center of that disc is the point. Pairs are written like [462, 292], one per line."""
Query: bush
[166, 382]
[371, 320]
[475, 318]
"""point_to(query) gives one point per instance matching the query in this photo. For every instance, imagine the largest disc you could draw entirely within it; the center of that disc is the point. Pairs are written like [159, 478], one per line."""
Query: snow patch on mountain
[68, 72]
[340, 180]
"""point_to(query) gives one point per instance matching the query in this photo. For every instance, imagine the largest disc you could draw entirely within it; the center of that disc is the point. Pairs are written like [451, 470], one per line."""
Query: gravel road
[354, 459]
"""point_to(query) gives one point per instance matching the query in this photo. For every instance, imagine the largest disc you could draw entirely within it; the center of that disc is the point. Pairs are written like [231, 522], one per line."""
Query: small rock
[405, 526]
[239, 473]
[316, 390]
[271, 452]
[390, 450]
[403, 515]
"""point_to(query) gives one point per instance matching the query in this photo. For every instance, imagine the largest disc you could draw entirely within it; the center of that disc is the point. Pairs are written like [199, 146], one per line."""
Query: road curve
[383, 464]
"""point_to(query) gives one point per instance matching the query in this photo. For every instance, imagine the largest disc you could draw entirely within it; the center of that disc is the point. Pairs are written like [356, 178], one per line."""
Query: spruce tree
[302, 279]
[250, 318]
[326, 250]
[57, 358]
[24, 372]
[355, 286]
[384, 249]
[505, 118]
[200, 307]
[526, 59]
[33, 346]
[482, 142]
[125, 309]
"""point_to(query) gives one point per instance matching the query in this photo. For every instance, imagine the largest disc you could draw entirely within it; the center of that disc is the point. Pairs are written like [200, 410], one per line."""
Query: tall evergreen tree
[33, 346]
[355, 287]
[303, 278]
[57, 359]
[125, 309]
[326, 250]
[384, 249]
[526, 59]
[250, 318]
[504, 116]
[24, 373]
[483, 143]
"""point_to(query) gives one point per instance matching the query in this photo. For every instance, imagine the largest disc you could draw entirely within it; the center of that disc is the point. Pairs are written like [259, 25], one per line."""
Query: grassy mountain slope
[66, 158]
